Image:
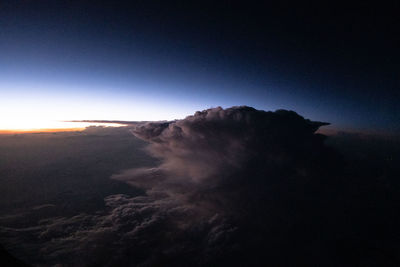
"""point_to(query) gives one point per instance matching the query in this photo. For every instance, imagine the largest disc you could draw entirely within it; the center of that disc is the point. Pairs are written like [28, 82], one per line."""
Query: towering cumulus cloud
[205, 148]
[241, 182]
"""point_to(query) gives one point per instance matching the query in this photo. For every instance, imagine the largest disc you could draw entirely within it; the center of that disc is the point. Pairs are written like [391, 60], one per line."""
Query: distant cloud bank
[234, 187]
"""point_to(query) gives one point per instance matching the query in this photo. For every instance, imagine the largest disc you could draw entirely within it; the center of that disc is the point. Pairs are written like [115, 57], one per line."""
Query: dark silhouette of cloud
[234, 164]
[122, 123]
[218, 140]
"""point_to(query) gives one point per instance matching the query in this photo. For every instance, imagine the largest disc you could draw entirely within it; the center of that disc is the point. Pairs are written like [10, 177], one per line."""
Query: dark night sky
[142, 60]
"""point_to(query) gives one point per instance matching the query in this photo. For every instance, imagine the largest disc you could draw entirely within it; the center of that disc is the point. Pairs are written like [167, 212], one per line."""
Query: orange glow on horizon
[46, 126]
[43, 130]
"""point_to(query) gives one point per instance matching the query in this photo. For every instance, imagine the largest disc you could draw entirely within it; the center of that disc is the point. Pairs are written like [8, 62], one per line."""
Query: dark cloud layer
[234, 187]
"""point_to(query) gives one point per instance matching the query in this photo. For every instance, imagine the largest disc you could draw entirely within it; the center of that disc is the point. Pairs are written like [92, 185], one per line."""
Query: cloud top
[215, 140]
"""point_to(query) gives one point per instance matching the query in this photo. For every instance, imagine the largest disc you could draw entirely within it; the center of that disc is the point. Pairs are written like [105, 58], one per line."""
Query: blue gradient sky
[78, 62]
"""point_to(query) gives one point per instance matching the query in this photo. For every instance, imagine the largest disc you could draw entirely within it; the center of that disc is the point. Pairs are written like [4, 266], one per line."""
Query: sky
[143, 60]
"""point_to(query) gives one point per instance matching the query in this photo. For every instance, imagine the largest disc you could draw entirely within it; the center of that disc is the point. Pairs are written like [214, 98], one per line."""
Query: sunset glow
[48, 126]
[26, 120]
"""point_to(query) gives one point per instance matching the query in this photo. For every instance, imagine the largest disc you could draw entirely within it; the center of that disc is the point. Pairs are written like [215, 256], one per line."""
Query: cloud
[217, 147]
[237, 164]
[218, 141]
[133, 231]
